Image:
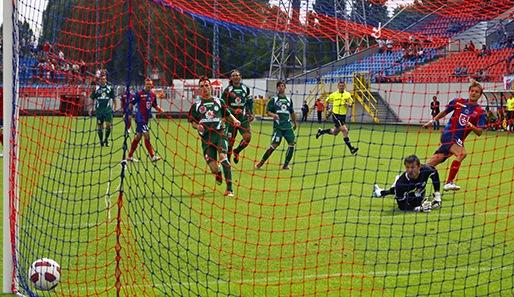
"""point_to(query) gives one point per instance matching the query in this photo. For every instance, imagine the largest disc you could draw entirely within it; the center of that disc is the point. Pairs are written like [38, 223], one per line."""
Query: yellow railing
[361, 93]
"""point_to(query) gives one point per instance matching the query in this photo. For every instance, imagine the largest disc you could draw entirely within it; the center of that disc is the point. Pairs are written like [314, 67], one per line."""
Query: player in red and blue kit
[468, 116]
[127, 111]
[142, 104]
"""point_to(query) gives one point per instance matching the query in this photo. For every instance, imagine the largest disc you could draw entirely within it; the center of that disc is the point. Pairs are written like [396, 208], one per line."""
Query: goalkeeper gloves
[426, 206]
[437, 200]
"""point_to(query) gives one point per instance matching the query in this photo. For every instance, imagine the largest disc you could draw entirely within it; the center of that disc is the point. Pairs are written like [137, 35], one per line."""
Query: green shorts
[104, 117]
[287, 134]
[231, 130]
[213, 144]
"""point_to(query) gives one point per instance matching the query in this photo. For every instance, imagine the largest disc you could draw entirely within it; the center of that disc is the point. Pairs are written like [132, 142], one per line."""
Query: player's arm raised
[439, 116]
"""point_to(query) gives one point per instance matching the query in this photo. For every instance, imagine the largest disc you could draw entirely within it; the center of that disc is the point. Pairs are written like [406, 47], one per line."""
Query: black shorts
[339, 119]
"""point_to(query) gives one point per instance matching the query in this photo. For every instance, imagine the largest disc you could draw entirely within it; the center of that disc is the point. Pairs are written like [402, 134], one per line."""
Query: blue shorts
[339, 119]
[142, 127]
[447, 140]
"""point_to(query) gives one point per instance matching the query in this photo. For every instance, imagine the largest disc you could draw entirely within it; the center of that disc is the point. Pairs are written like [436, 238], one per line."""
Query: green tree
[26, 38]
[54, 17]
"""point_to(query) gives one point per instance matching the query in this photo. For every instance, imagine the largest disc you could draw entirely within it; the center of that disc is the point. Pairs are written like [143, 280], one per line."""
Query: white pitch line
[285, 280]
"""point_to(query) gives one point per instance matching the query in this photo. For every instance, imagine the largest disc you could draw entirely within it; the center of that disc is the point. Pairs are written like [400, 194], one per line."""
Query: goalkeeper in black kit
[409, 187]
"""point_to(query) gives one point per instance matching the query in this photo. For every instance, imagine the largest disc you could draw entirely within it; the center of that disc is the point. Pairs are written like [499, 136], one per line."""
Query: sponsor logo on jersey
[463, 120]
[210, 115]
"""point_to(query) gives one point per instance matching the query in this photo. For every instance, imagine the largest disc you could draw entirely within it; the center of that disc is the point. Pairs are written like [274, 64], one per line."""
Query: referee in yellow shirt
[510, 113]
[341, 100]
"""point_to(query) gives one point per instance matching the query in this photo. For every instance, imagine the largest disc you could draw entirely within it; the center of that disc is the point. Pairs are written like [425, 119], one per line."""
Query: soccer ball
[44, 274]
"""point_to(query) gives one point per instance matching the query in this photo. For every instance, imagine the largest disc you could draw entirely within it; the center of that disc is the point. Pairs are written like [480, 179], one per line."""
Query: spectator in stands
[411, 52]
[484, 52]
[42, 68]
[305, 111]
[464, 70]
[470, 47]
[435, 110]
[75, 72]
[510, 40]
[47, 47]
[389, 46]
[381, 45]
[453, 28]
[458, 71]
[510, 64]
[51, 69]
[379, 78]
[83, 70]
[320, 107]
[480, 75]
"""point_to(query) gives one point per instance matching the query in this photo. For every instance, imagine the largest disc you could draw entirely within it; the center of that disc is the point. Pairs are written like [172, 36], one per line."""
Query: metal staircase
[361, 93]
[372, 102]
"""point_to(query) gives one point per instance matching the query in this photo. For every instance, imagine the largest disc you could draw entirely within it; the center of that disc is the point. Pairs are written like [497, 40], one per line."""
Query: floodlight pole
[287, 53]
[215, 45]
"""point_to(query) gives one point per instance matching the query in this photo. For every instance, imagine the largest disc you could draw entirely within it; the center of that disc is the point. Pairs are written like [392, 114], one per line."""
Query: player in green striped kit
[207, 115]
[236, 96]
[280, 108]
[103, 96]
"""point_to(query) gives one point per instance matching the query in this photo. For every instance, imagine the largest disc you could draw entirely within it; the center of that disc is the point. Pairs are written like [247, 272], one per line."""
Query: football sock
[453, 171]
[347, 141]
[289, 154]
[149, 147]
[133, 147]
[100, 134]
[107, 133]
[241, 146]
[227, 172]
[268, 153]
